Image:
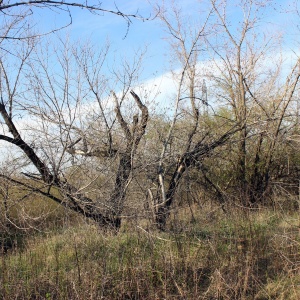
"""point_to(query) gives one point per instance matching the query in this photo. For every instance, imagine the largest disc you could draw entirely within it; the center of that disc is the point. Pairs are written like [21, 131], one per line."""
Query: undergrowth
[228, 256]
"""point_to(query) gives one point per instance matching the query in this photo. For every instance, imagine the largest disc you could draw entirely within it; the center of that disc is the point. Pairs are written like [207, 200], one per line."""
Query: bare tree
[60, 104]
[248, 76]
[190, 98]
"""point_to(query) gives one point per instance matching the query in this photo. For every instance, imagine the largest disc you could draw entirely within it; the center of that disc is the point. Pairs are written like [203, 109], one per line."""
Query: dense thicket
[231, 132]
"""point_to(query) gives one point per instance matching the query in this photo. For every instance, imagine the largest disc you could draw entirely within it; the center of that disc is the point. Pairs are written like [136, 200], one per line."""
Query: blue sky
[124, 42]
[150, 34]
[147, 34]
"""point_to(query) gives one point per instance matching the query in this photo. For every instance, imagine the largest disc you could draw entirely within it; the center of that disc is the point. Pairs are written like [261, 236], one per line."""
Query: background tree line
[90, 141]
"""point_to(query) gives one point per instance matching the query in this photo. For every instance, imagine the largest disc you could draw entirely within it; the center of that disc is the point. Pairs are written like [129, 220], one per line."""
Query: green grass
[231, 256]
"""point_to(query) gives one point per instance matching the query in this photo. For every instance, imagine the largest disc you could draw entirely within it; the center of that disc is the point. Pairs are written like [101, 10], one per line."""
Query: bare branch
[120, 118]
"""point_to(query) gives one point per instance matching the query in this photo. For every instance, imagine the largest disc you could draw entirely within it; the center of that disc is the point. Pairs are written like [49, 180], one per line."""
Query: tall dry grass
[214, 255]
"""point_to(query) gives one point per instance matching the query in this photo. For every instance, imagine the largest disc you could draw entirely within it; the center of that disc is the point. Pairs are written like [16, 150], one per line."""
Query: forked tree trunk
[69, 195]
[187, 160]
